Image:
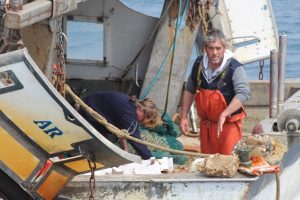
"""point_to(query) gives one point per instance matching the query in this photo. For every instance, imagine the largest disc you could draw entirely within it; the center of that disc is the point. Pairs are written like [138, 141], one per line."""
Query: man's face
[215, 52]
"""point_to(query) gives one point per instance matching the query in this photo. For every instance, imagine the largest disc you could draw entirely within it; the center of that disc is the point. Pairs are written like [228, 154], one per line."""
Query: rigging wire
[161, 67]
[128, 67]
[173, 55]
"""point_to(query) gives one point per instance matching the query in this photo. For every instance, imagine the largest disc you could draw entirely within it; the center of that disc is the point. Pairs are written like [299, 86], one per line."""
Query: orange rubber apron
[210, 104]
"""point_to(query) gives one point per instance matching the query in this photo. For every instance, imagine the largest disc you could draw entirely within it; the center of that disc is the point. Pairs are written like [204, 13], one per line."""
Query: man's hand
[221, 121]
[234, 105]
[187, 101]
[184, 125]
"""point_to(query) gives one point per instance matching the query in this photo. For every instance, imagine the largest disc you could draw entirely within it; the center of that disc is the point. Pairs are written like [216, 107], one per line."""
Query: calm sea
[287, 16]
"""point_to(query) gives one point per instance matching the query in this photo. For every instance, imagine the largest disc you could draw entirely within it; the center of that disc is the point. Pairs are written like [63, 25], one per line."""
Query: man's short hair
[214, 35]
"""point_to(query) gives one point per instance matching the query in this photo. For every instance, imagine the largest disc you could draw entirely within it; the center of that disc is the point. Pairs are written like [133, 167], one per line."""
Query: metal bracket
[84, 151]
[60, 7]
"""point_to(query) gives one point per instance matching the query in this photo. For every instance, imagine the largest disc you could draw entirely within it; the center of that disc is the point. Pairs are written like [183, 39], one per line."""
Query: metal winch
[289, 120]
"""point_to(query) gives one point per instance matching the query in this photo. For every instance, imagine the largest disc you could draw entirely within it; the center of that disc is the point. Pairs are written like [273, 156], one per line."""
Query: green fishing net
[163, 135]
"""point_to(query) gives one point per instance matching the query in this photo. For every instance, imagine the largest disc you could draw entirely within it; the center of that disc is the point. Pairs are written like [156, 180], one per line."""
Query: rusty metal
[203, 12]
[58, 71]
[92, 182]
[203, 16]
[193, 15]
[11, 41]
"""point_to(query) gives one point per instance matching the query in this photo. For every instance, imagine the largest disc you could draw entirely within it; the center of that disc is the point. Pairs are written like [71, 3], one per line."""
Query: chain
[261, 66]
[203, 8]
[61, 49]
[58, 72]
[92, 167]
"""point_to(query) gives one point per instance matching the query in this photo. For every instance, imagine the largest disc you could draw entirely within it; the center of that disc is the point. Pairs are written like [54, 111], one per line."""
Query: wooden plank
[31, 13]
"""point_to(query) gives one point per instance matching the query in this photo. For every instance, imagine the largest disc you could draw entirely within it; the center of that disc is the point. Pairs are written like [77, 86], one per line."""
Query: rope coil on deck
[123, 133]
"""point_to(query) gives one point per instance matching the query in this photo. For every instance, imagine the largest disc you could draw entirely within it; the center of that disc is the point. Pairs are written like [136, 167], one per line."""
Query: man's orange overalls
[210, 104]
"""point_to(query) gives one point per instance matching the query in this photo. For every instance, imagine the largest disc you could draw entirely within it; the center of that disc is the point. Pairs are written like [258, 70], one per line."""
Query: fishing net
[163, 135]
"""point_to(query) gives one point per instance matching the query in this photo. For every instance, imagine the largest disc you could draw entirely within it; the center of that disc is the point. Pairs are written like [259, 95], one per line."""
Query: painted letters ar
[44, 125]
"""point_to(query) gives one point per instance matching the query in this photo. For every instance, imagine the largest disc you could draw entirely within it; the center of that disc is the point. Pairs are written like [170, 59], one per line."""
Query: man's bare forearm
[234, 105]
[187, 101]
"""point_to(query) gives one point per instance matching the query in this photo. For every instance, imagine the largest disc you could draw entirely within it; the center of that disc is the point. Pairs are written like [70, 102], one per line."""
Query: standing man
[219, 85]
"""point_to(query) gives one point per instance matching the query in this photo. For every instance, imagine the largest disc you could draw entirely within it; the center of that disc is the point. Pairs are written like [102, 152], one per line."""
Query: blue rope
[172, 60]
[157, 75]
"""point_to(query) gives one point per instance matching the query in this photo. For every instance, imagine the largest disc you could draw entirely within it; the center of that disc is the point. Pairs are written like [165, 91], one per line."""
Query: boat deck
[172, 177]
[175, 186]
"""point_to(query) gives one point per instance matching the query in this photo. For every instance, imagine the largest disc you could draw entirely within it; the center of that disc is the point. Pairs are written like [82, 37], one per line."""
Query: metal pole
[273, 84]
[281, 70]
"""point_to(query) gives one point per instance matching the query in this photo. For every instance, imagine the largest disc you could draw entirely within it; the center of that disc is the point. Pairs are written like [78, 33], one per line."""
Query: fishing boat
[134, 54]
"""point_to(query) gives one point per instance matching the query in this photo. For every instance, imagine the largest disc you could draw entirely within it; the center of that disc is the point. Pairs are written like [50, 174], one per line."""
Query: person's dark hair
[214, 35]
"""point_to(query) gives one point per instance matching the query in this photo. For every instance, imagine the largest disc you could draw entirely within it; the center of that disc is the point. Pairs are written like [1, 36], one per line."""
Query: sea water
[287, 17]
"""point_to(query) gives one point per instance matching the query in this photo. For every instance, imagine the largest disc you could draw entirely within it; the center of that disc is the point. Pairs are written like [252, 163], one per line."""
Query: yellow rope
[186, 133]
[176, 117]
[123, 133]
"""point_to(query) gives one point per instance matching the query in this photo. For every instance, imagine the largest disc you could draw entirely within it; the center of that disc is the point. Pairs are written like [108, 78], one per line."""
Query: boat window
[147, 7]
[85, 40]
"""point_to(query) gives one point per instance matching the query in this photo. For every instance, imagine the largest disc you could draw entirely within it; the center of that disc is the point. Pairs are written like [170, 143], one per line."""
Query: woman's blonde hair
[152, 114]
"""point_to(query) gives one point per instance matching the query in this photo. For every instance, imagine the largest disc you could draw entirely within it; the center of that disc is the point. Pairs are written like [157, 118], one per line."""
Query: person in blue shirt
[123, 112]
